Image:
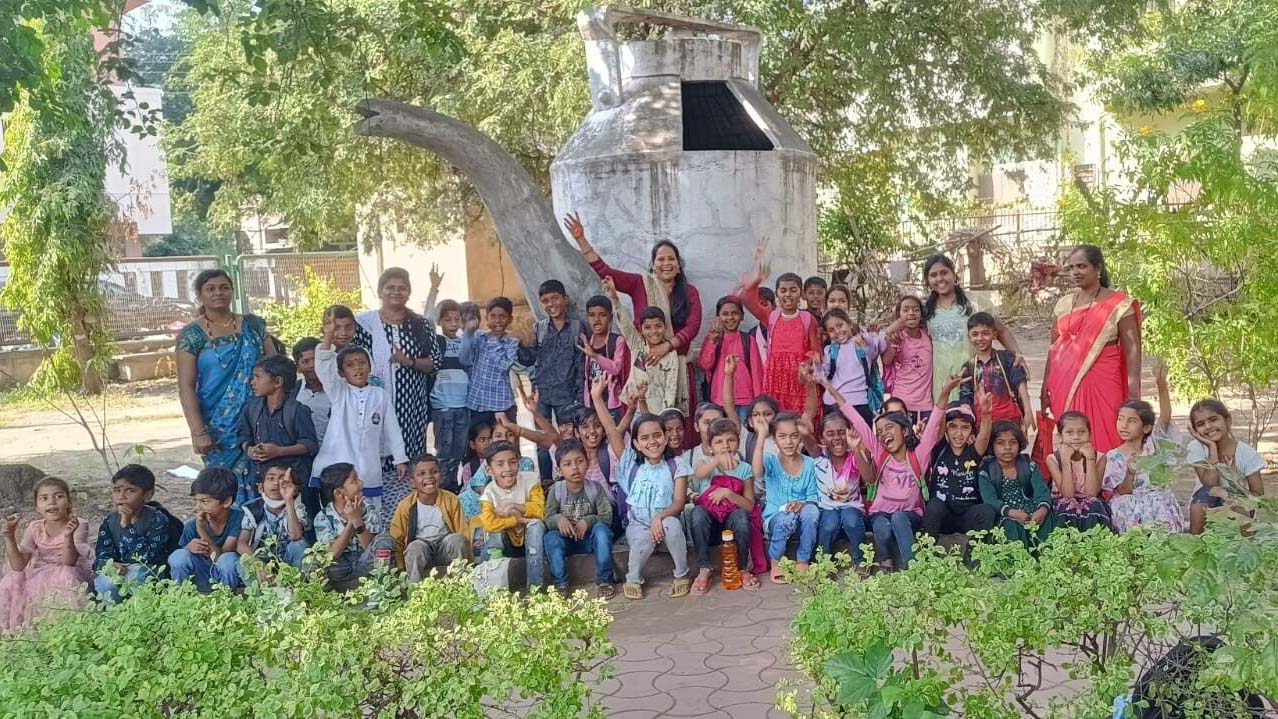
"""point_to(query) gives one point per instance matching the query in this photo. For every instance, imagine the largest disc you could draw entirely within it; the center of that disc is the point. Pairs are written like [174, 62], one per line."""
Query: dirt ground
[147, 414]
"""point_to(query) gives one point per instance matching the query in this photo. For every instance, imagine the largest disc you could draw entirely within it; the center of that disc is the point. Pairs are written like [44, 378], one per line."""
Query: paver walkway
[719, 656]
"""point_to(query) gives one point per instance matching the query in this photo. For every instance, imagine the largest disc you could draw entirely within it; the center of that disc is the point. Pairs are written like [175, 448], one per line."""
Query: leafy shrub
[436, 649]
[945, 640]
[291, 323]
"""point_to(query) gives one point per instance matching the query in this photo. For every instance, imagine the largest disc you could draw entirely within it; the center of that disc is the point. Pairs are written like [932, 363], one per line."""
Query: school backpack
[919, 475]
[804, 316]
[610, 351]
[718, 350]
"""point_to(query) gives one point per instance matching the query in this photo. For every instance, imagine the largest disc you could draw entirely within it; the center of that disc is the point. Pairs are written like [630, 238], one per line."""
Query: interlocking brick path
[720, 655]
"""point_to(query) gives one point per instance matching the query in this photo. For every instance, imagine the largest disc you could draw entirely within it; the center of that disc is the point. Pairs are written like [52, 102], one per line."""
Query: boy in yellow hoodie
[428, 526]
[512, 510]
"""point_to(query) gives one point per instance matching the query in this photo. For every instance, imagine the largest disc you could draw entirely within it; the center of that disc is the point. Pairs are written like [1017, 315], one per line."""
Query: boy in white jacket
[362, 420]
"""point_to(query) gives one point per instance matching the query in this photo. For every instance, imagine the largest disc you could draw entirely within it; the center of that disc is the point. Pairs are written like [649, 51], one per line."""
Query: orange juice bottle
[728, 561]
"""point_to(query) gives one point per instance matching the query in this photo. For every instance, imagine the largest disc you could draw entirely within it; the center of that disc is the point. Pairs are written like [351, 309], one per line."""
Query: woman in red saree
[1093, 365]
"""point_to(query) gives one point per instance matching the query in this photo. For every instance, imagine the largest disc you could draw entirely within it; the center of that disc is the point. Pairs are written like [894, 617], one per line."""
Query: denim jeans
[898, 528]
[849, 519]
[533, 550]
[706, 532]
[451, 426]
[203, 571]
[556, 413]
[598, 542]
[109, 592]
[783, 525]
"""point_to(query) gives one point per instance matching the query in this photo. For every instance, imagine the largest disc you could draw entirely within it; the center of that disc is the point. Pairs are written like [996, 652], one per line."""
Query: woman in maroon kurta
[664, 286]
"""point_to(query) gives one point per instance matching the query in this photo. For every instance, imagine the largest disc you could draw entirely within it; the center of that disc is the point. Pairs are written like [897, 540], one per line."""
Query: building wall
[141, 189]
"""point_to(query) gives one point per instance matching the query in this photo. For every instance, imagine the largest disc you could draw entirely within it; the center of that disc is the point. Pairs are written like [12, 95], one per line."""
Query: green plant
[291, 323]
[289, 648]
[1059, 636]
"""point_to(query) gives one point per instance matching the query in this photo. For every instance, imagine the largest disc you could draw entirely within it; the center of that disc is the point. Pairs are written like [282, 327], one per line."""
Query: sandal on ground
[607, 591]
[750, 582]
[778, 577]
[632, 591]
[680, 587]
[701, 587]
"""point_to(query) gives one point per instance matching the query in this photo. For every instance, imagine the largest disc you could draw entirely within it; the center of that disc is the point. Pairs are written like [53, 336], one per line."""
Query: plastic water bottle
[728, 561]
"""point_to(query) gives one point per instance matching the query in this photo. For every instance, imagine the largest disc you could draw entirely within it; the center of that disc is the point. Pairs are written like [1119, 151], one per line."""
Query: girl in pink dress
[49, 568]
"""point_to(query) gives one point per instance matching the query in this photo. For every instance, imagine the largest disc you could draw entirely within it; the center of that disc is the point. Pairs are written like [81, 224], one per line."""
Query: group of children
[812, 427]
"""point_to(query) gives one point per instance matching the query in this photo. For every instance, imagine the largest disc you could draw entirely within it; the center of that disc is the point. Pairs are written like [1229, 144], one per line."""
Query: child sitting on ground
[897, 497]
[726, 501]
[49, 568]
[1212, 429]
[1076, 482]
[209, 540]
[274, 427]
[654, 485]
[955, 505]
[363, 418]
[1135, 500]
[578, 520]
[350, 527]
[276, 514]
[428, 527]
[791, 481]
[136, 538]
[1012, 484]
[661, 377]
[996, 371]
[512, 510]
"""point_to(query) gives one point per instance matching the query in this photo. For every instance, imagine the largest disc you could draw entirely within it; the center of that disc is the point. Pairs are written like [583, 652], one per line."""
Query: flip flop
[779, 579]
[701, 586]
[750, 582]
[680, 587]
[632, 591]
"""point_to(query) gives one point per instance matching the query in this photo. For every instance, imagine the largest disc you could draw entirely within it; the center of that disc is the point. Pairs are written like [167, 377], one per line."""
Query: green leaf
[878, 660]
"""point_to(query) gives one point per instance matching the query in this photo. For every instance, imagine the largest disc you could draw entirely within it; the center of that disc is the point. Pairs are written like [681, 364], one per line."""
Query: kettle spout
[523, 216]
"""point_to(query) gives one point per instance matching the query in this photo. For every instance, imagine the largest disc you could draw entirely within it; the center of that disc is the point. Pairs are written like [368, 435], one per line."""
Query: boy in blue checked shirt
[557, 363]
[490, 356]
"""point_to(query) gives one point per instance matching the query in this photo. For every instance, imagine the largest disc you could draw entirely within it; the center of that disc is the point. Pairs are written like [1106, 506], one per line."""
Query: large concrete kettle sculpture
[679, 145]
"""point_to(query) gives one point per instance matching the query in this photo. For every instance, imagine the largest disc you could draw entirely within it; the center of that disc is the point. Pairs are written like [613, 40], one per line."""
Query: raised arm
[985, 402]
[761, 428]
[616, 442]
[730, 390]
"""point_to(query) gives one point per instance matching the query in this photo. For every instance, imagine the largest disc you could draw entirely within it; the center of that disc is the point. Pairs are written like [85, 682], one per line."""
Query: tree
[1193, 229]
[899, 99]
[57, 145]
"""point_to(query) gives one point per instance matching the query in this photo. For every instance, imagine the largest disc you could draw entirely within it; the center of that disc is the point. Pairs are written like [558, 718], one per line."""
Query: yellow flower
[1146, 131]
[1200, 105]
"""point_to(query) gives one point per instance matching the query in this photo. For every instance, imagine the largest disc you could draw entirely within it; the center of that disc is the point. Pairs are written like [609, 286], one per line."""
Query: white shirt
[1246, 460]
[362, 422]
[430, 522]
[320, 406]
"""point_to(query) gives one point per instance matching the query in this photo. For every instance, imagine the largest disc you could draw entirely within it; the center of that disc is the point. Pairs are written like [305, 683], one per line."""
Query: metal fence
[154, 296]
[1014, 253]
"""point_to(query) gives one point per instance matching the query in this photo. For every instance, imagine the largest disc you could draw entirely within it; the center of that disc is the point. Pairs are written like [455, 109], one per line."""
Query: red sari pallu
[1088, 367]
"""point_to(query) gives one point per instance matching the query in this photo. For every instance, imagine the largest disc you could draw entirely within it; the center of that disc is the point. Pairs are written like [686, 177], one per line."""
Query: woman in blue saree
[215, 358]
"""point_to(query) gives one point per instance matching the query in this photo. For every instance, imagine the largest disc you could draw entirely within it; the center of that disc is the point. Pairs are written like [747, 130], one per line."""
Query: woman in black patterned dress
[405, 352]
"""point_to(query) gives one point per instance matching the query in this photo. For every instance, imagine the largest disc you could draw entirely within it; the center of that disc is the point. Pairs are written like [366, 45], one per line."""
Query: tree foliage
[899, 99]
[296, 650]
[1193, 228]
[57, 146]
[291, 323]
